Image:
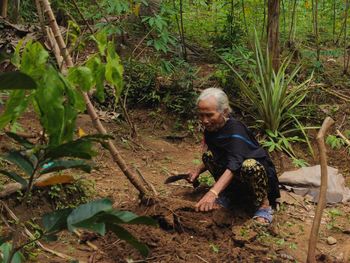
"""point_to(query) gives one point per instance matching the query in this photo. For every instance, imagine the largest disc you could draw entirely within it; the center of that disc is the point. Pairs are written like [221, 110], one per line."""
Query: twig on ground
[31, 236]
[300, 203]
[91, 245]
[146, 182]
[199, 257]
[343, 137]
[337, 94]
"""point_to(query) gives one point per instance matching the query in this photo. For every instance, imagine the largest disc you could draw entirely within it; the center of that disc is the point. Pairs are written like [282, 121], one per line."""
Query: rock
[331, 240]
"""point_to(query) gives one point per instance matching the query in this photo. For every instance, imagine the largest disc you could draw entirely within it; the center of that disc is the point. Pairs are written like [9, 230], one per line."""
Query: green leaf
[21, 140]
[125, 235]
[15, 106]
[16, 80]
[50, 100]
[98, 70]
[92, 225]
[101, 40]
[6, 250]
[80, 148]
[21, 161]
[57, 220]
[15, 177]
[114, 70]
[81, 77]
[67, 164]
[126, 217]
[87, 211]
[34, 60]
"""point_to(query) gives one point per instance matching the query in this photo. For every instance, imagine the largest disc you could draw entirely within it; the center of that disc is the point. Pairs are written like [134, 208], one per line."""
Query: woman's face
[209, 115]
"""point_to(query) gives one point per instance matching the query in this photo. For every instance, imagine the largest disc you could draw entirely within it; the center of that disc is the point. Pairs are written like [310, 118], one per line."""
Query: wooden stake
[327, 123]
[90, 108]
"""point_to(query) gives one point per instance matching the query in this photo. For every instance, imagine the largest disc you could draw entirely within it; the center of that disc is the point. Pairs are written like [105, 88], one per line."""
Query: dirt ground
[184, 235]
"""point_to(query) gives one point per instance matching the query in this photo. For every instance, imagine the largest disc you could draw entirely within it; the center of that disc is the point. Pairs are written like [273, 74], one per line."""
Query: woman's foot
[263, 215]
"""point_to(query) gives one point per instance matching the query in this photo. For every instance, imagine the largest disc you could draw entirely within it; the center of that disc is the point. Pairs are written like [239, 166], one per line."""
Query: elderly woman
[243, 171]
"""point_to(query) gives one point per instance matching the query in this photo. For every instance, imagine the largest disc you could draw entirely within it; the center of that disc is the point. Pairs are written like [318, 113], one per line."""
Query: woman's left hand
[207, 203]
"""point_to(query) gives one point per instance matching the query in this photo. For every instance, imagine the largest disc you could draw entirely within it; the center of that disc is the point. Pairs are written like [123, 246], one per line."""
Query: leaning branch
[90, 108]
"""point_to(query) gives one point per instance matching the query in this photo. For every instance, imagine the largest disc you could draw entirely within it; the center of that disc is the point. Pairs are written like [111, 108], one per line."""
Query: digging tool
[178, 177]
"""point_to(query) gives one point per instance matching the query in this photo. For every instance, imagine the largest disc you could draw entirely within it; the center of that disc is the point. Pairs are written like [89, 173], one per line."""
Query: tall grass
[274, 96]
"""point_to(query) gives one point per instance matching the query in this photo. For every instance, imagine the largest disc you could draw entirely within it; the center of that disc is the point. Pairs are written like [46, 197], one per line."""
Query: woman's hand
[207, 203]
[193, 175]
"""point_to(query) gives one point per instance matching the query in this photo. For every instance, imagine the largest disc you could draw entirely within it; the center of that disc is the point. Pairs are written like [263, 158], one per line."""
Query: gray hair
[219, 95]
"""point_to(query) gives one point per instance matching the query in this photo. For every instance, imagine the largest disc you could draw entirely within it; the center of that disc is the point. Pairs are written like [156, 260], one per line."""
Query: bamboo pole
[327, 123]
[90, 108]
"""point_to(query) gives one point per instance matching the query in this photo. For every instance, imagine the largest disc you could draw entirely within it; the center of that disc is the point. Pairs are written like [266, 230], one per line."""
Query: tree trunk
[346, 56]
[291, 35]
[264, 21]
[315, 26]
[244, 17]
[16, 8]
[182, 31]
[4, 6]
[334, 16]
[90, 108]
[284, 19]
[273, 32]
[231, 21]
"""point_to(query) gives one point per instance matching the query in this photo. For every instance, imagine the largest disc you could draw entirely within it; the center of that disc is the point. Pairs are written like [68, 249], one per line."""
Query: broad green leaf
[80, 148]
[67, 164]
[72, 106]
[15, 106]
[15, 177]
[34, 60]
[57, 220]
[16, 80]
[6, 248]
[101, 40]
[98, 70]
[86, 211]
[114, 70]
[81, 77]
[21, 140]
[125, 235]
[75, 97]
[90, 224]
[16, 57]
[50, 101]
[127, 217]
[20, 160]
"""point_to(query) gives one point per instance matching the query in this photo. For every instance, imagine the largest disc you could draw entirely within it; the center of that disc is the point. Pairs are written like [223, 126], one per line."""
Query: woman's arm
[207, 203]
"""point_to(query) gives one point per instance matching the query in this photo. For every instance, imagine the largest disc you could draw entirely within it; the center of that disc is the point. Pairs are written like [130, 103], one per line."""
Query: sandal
[265, 213]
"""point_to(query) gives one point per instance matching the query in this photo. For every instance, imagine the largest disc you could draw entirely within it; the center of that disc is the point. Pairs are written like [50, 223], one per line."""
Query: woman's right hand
[193, 174]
